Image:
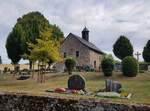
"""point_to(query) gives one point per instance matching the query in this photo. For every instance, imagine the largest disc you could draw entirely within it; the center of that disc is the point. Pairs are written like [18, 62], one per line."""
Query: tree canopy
[146, 52]
[27, 30]
[0, 60]
[123, 47]
[45, 49]
[14, 44]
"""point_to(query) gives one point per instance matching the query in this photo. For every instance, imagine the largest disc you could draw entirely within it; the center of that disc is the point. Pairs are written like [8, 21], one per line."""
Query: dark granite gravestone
[112, 86]
[118, 67]
[76, 82]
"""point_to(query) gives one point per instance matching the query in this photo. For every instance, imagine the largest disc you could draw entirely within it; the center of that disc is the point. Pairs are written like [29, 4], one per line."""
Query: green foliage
[14, 44]
[0, 60]
[130, 66]
[107, 66]
[146, 52]
[29, 28]
[88, 68]
[123, 47]
[109, 56]
[70, 64]
[44, 49]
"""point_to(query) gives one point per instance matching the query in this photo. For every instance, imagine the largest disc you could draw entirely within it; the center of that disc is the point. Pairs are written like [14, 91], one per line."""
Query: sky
[106, 20]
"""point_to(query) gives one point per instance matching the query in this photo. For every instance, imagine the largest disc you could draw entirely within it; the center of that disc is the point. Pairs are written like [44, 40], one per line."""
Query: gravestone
[112, 86]
[149, 68]
[76, 82]
[118, 67]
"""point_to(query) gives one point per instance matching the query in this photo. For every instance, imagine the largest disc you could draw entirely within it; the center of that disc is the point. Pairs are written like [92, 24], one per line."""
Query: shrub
[88, 68]
[70, 64]
[130, 66]
[107, 66]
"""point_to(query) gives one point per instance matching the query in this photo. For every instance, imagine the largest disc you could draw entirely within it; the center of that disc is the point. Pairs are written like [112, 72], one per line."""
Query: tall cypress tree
[0, 60]
[146, 52]
[14, 44]
[123, 47]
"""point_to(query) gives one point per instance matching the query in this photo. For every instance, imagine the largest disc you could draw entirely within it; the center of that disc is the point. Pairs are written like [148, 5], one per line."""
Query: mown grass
[139, 86]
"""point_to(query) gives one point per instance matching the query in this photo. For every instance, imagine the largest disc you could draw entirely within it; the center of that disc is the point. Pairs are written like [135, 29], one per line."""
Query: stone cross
[137, 55]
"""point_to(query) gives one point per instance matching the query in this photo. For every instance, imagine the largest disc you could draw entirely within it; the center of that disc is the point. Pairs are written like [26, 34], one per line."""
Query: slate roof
[86, 43]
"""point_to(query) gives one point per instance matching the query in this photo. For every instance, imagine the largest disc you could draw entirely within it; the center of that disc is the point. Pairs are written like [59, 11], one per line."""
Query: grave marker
[112, 86]
[76, 82]
[149, 68]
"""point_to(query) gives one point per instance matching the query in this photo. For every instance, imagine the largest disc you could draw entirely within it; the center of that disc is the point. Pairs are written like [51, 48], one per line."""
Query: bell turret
[85, 34]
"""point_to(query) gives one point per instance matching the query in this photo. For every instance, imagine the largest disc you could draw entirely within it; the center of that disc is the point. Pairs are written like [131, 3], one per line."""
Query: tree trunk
[38, 76]
[33, 71]
[30, 65]
[14, 72]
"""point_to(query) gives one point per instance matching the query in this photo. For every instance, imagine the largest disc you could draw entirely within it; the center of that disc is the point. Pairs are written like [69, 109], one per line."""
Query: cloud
[106, 19]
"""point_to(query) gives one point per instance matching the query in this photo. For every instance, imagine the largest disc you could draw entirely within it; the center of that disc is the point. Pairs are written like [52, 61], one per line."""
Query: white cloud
[105, 19]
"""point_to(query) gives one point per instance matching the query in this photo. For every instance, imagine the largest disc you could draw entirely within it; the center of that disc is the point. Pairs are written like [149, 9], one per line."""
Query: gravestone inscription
[76, 82]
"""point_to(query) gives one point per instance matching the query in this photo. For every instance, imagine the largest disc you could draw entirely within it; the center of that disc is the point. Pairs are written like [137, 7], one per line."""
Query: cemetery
[51, 67]
[86, 85]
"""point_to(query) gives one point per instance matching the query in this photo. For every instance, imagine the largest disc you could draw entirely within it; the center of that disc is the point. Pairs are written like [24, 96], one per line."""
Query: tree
[146, 52]
[43, 51]
[14, 45]
[130, 66]
[70, 64]
[123, 47]
[107, 65]
[32, 24]
[0, 60]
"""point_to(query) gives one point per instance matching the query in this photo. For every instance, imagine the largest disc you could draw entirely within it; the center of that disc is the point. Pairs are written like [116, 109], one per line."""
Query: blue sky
[106, 19]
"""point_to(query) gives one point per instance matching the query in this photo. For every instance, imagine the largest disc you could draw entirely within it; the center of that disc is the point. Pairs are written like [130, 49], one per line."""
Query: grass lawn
[139, 86]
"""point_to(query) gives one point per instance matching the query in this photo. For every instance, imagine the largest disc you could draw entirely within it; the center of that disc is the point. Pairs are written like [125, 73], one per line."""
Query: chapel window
[77, 54]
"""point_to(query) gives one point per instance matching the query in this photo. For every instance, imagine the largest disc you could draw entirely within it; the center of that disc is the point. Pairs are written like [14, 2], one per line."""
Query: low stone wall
[24, 102]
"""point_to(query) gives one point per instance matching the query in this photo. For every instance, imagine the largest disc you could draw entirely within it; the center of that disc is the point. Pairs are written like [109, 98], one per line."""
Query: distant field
[139, 86]
[22, 66]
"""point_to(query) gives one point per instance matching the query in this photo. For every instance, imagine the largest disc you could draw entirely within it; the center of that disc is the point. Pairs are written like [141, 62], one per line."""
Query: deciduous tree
[44, 50]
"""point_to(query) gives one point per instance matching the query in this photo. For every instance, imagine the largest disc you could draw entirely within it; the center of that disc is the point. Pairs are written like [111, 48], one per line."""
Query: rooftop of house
[86, 43]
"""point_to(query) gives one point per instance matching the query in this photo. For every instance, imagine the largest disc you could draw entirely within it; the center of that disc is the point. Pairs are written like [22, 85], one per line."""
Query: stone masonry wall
[94, 56]
[24, 102]
[71, 45]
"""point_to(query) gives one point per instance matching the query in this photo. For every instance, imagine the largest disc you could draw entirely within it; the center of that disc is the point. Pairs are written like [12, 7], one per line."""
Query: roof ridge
[87, 43]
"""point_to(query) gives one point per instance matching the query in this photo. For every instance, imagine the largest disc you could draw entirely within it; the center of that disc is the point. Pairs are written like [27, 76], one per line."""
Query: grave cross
[137, 55]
